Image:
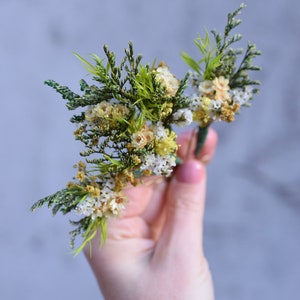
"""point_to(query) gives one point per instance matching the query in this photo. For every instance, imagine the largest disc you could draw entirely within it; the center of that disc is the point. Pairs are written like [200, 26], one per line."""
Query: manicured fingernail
[190, 172]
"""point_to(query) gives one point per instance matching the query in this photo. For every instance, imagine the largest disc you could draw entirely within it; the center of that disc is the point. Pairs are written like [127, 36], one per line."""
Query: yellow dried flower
[131, 177]
[80, 175]
[166, 109]
[168, 145]
[228, 111]
[79, 131]
[121, 180]
[93, 190]
[202, 116]
[70, 184]
[147, 172]
[205, 103]
[136, 160]
[90, 189]
[81, 165]
[96, 192]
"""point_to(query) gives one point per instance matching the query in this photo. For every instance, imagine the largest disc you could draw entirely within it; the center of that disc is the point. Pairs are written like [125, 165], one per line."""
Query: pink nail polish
[190, 172]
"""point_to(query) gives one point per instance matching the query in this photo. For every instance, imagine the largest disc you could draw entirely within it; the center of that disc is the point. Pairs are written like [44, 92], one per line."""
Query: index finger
[187, 142]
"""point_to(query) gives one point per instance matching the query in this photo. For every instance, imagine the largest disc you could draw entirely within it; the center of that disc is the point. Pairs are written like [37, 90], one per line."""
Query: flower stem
[201, 137]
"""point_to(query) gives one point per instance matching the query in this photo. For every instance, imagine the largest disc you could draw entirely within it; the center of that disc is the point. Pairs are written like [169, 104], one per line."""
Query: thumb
[185, 210]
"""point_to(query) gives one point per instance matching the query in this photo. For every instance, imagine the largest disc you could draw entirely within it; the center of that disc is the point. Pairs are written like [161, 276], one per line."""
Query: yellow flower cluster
[105, 114]
[166, 145]
[123, 178]
[202, 114]
[93, 190]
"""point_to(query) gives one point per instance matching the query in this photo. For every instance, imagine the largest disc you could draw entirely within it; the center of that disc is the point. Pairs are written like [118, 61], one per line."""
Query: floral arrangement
[126, 121]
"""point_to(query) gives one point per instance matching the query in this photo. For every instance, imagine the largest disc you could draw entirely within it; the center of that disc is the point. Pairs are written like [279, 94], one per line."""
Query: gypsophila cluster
[126, 119]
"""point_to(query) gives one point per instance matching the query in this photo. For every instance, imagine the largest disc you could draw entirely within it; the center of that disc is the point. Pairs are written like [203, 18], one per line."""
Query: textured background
[253, 211]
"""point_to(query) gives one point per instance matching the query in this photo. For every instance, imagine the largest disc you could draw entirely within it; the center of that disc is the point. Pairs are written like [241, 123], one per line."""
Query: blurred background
[253, 209]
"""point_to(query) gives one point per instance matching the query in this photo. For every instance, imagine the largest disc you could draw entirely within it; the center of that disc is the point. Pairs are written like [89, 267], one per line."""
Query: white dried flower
[206, 87]
[158, 164]
[242, 96]
[159, 131]
[183, 117]
[167, 79]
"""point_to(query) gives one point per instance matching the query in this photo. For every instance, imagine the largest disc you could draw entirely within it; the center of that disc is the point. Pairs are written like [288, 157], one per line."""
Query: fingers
[182, 233]
[187, 142]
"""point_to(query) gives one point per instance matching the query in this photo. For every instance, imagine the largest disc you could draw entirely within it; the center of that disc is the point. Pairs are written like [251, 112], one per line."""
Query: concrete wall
[253, 208]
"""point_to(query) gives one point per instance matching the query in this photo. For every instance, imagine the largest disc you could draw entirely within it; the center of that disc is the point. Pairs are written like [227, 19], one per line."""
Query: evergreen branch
[182, 86]
[241, 76]
[50, 200]
[63, 90]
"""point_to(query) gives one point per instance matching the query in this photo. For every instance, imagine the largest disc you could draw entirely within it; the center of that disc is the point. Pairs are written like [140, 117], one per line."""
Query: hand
[154, 249]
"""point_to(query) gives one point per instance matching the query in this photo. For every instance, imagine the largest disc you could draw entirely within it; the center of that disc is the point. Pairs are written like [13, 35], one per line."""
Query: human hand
[154, 250]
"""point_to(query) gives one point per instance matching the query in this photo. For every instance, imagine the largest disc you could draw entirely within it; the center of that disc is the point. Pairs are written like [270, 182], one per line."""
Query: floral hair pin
[125, 121]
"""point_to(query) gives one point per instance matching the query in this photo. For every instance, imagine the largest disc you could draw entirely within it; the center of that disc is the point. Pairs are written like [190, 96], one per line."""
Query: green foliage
[64, 200]
[129, 87]
[219, 59]
[240, 77]
[88, 229]
[208, 63]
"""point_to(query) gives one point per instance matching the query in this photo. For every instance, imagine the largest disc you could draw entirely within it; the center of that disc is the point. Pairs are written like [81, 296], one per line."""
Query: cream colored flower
[206, 87]
[221, 83]
[119, 111]
[167, 79]
[139, 140]
[221, 86]
[117, 204]
[90, 114]
[103, 109]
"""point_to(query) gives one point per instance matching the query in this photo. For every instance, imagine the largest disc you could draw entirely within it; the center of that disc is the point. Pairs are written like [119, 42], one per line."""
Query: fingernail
[190, 172]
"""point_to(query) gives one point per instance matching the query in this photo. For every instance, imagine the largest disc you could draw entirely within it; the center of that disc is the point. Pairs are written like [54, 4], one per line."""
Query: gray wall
[253, 209]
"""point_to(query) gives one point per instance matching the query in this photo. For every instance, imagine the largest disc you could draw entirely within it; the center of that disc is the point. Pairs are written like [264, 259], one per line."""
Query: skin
[154, 250]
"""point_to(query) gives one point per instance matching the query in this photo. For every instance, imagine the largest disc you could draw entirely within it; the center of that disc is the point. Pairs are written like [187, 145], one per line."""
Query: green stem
[201, 137]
